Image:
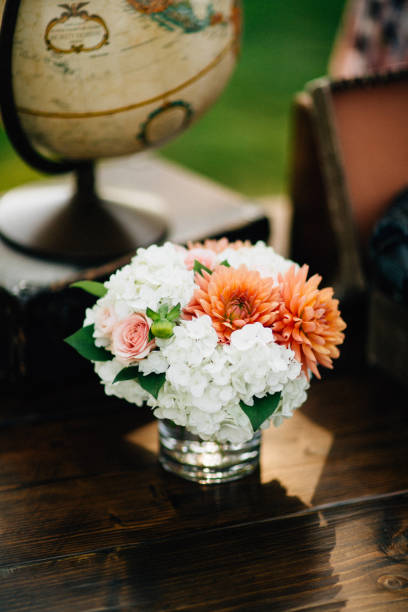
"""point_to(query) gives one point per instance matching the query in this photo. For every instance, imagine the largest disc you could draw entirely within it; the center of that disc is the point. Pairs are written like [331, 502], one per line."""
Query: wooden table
[89, 521]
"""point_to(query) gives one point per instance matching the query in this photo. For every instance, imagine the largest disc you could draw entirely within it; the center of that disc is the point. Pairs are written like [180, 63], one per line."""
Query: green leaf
[152, 314]
[83, 342]
[225, 263]
[199, 267]
[129, 373]
[91, 287]
[262, 409]
[152, 383]
[163, 310]
[174, 313]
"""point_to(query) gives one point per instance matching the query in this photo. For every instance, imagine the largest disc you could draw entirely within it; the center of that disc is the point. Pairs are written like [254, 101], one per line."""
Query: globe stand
[82, 228]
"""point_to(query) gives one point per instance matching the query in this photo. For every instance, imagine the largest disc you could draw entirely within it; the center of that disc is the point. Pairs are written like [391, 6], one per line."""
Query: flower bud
[162, 329]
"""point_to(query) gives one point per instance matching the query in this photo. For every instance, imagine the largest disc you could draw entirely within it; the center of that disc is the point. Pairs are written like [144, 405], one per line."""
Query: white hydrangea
[293, 396]
[210, 379]
[155, 275]
[258, 365]
[193, 342]
[155, 363]
[259, 257]
[129, 390]
[205, 380]
[172, 406]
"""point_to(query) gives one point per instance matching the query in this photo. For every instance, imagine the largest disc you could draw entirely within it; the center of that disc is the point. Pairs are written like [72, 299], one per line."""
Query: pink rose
[204, 256]
[130, 339]
[105, 320]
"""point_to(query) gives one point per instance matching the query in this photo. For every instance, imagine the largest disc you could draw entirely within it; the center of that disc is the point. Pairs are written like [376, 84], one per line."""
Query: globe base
[47, 221]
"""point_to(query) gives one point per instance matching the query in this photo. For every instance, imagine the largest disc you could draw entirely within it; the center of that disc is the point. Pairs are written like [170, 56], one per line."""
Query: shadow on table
[250, 545]
[243, 545]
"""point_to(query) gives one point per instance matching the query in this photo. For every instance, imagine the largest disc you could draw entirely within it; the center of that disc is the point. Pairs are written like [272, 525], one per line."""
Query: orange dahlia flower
[309, 320]
[219, 245]
[234, 297]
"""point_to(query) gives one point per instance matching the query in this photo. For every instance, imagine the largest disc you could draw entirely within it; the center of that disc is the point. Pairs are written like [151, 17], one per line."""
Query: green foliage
[152, 383]
[154, 316]
[163, 310]
[225, 263]
[174, 313]
[130, 373]
[199, 267]
[83, 342]
[163, 321]
[91, 287]
[262, 409]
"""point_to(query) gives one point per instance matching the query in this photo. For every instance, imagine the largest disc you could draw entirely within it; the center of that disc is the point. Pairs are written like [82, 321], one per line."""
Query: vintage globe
[81, 81]
[111, 77]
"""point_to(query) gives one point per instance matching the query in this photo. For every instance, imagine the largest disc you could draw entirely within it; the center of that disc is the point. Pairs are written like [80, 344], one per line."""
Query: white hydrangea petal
[155, 362]
[259, 257]
[108, 370]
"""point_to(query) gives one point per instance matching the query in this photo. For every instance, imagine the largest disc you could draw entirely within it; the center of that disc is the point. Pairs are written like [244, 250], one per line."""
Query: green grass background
[243, 141]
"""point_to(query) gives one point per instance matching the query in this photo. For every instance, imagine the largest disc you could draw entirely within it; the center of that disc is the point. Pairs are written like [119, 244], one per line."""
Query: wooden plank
[352, 557]
[81, 484]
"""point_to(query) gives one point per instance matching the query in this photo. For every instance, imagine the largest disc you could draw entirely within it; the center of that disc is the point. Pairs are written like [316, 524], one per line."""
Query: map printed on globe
[111, 77]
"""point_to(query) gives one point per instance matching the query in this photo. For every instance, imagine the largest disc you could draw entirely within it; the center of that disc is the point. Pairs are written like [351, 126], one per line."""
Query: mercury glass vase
[192, 458]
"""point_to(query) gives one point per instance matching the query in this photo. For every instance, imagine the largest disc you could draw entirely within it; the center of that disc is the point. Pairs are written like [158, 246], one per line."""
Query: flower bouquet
[219, 339]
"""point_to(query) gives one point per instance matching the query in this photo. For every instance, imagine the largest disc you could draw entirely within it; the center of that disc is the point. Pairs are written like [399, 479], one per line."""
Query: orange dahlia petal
[233, 298]
[308, 320]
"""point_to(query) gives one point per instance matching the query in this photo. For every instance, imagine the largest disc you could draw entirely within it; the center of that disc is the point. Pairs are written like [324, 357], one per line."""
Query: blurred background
[243, 140]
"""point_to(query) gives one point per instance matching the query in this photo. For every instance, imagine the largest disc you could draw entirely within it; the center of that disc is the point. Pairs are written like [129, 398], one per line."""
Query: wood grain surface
[89, 521]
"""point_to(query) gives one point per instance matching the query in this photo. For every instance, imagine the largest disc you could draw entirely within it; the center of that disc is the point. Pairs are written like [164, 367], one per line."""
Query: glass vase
[192, 458]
